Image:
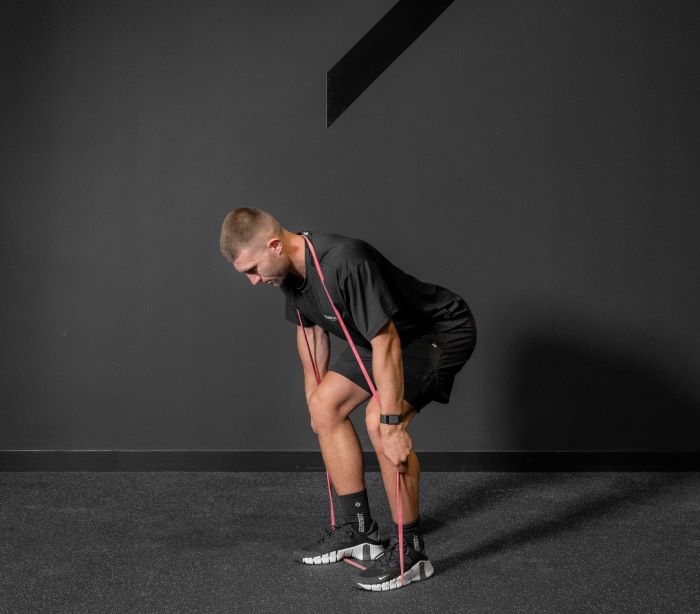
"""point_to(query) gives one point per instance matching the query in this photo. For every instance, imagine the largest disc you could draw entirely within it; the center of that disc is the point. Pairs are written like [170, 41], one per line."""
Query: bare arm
[387, 366]
[320, 345]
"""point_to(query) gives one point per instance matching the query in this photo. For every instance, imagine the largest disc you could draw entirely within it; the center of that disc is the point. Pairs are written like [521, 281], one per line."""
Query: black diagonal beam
[376, 50]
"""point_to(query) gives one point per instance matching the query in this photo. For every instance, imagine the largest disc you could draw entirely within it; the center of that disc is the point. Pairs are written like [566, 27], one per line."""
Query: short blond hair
[245, 228]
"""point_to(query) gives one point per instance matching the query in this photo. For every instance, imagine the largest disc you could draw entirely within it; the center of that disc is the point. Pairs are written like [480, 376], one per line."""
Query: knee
[323, 413]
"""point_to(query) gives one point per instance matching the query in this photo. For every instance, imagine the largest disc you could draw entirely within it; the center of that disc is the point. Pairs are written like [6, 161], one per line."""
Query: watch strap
[390, 418]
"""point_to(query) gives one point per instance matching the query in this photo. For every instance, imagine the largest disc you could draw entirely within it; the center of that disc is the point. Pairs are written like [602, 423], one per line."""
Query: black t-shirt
[368, 291]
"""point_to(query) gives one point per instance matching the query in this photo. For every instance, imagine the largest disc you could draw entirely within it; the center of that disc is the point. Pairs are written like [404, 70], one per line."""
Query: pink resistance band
[399, 505]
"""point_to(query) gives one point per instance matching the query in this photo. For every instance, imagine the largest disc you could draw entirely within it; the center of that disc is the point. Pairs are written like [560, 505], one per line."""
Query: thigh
[421, 362]
[337, 394]
[431, 362]
[420, 357]
[456, 348]
[345, 364]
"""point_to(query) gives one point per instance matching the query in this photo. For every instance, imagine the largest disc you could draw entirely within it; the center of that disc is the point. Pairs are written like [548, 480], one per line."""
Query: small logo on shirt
[435, 346]
[329, 317]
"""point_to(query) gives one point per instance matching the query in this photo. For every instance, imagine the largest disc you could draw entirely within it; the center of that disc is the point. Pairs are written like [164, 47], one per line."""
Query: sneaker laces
[392, 553]
[330, 533]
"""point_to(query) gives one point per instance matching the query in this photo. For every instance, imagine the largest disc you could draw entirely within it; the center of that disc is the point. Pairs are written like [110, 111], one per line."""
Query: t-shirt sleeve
[291, 313]
[367, 297]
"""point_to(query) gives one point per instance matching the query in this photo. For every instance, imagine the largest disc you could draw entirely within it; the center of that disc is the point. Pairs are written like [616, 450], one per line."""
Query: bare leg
[342, 454]
[330, 406]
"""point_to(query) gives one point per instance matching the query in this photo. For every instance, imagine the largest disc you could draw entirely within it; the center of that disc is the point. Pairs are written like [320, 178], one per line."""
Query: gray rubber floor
[221, 542]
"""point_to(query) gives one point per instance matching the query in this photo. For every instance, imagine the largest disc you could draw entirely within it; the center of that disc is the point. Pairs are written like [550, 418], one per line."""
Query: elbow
[386, 339]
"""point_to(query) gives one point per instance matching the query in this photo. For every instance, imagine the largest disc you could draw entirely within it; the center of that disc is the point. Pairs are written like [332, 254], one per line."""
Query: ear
[275, 245]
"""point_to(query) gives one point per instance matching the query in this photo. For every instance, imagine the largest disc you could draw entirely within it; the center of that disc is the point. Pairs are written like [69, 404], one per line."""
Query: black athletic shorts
[430, 363]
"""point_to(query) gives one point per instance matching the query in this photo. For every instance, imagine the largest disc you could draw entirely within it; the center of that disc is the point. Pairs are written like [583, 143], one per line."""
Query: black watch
[390, 418]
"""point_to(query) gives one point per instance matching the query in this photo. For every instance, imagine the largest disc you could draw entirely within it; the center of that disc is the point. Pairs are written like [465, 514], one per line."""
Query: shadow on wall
[573, 387]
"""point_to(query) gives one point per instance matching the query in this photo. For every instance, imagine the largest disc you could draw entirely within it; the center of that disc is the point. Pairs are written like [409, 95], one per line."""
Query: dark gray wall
[538, 158]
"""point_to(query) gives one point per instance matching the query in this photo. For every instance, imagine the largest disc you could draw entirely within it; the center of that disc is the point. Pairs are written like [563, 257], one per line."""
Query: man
[412, 336]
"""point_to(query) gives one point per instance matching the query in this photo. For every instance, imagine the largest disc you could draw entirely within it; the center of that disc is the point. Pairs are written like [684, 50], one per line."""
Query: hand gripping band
[375, 394]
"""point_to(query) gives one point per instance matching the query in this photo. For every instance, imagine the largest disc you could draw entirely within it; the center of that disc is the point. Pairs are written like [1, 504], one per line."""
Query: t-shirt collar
[308, 260]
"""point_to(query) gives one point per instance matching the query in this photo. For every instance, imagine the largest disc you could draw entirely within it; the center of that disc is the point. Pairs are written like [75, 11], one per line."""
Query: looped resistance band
[375, 394]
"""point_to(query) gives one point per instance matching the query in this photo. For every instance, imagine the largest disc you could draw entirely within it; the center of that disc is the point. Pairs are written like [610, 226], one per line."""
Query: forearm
[319, 342]
[387, 368]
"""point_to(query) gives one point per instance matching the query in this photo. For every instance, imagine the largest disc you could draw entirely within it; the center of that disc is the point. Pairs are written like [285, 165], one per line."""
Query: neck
[294, 246]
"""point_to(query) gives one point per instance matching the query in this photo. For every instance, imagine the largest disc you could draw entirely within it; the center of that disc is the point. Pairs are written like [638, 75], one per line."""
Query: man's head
[254, 242]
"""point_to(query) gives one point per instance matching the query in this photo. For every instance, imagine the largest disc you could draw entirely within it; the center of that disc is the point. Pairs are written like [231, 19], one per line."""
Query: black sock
[411, 534]
[354, 508]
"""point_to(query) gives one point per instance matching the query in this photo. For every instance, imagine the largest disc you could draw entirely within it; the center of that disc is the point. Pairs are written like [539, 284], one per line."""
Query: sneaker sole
[362, 552]
[420, 571]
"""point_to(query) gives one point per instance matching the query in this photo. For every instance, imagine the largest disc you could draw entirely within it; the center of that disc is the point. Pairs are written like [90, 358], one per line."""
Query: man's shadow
[576, 387]
[568, 515]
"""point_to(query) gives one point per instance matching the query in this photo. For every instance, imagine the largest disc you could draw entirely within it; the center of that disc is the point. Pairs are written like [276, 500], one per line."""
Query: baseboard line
[225, 460]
